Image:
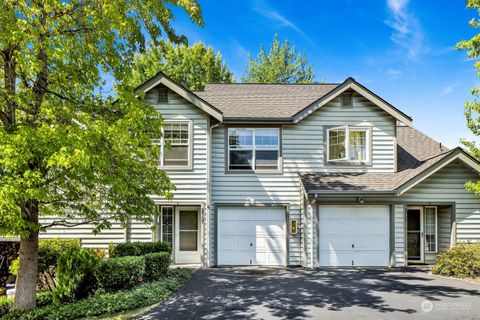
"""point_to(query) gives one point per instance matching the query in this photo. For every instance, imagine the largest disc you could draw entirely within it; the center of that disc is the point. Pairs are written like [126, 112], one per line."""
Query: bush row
[461, 261]
[139, 248]
[107, 303]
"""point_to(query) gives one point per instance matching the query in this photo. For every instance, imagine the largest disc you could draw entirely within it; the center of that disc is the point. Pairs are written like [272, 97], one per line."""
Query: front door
[187, 235]
[415, 234]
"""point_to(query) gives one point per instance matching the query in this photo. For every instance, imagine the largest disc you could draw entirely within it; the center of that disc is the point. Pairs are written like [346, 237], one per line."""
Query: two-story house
[300, 175]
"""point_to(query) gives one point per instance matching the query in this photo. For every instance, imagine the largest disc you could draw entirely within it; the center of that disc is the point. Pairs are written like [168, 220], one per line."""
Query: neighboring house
[311, 175]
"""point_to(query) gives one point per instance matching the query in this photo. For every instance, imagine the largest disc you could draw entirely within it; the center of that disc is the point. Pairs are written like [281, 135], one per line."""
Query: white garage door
[251, 236]
[354, 236]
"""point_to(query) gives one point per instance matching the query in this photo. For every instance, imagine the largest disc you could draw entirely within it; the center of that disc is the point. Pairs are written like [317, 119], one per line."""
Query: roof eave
[350, 83]
[350, 192]
[162, 78]
[257, 120]
[457, 153]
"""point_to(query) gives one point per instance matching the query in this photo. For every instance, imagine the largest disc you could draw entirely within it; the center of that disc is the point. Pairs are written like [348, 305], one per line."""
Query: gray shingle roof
[248, 100]
[416, 153]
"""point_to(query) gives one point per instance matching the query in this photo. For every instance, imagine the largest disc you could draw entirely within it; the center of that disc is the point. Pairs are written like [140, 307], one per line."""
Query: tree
[472, 108]
[64, 150]
[191, 66]
[282, 64]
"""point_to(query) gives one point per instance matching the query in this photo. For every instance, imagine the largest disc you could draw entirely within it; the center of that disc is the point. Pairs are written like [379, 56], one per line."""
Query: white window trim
[160, 224]
[254, 149]
[347, 143]
[436, 229]
[190, 147]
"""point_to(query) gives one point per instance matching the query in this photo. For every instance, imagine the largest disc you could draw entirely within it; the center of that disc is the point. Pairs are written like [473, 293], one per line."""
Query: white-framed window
[253, 149]
[431, 228]
[175, 144]
[348, 144]
[165, 224]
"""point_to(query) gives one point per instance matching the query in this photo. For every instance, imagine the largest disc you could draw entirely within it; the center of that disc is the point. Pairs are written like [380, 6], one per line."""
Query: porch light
[293, 227]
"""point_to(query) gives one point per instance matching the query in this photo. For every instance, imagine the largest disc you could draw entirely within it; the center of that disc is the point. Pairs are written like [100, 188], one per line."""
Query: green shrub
[44, 298]
[108, 303]
[49, 250]
[140, 248]
[5, 305]
[121, 273]
[13, 268]
[156, 265]
[75, 275]
[462, 261]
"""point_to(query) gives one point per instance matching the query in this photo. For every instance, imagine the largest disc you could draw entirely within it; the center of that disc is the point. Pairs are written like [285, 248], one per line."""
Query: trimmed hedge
[121, 273]
[106, 303]
[156, 265]
[140, 248]
[462, 261]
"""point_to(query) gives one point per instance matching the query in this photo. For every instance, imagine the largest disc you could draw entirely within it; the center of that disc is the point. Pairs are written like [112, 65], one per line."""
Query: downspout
[209, 192]
[311, 231]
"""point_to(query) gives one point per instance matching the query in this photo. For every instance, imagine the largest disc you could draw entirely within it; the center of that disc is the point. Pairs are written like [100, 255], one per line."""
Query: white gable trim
[183, 92]
[460, 155]
[353, 85]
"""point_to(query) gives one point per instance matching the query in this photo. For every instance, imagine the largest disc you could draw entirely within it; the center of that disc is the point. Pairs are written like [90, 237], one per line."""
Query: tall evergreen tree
[281, 64]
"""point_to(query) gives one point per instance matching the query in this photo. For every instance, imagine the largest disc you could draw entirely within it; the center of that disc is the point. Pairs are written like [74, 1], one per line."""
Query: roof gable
[161, 78]
[351, 84]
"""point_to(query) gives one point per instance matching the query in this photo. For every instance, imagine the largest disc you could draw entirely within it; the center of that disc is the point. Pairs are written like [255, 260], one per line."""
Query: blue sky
[402, 50]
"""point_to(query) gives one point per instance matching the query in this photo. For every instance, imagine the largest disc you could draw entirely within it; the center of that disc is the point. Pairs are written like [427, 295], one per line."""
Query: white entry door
[354, 236]
[187, 235]
[251, 236]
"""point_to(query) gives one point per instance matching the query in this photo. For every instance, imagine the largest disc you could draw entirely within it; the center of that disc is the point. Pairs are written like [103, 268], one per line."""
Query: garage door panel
[234, 228]
[258, 234]
[358, 234]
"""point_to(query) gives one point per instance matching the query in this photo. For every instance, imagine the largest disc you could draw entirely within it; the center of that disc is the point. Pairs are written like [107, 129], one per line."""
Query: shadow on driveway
[271, 293]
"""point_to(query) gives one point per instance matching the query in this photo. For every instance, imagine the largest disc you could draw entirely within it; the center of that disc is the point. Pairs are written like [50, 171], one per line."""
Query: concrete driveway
[270, 293]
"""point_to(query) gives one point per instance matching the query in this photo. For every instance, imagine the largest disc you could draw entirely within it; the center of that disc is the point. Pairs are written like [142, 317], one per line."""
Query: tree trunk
[26, 284]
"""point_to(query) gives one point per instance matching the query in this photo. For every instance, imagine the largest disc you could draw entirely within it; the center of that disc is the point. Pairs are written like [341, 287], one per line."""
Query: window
[166, 224]
[253, 149]
[349, 144]
[175, 148]
[431, 229]
[347, 100]
[162, 94]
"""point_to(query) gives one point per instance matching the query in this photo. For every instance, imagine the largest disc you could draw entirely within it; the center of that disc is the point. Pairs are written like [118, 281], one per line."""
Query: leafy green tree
[65, 150]
[191, 66]
[281, 64]
[472, 108]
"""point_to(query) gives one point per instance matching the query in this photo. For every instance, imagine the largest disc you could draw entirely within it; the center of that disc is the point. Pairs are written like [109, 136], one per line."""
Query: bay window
[253, 149]
[348, 144]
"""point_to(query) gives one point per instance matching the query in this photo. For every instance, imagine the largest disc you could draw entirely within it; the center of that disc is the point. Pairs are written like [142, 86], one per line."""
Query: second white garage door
[354, 236]
[251, 236]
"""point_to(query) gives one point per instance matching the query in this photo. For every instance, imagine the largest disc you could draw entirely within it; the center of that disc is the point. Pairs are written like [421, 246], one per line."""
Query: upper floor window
[349, 144]
[253, 149]
[176, 144]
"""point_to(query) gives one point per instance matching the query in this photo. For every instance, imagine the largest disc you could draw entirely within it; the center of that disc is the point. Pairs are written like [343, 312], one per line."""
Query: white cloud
[277, 17]
[407, 31]
[394, 73]
[448, 89]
